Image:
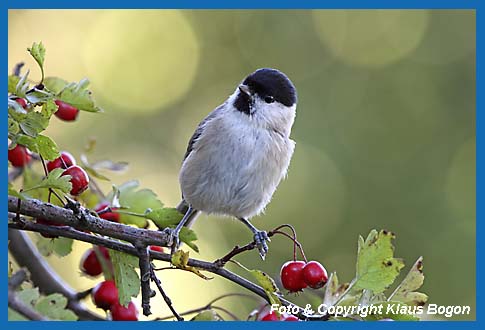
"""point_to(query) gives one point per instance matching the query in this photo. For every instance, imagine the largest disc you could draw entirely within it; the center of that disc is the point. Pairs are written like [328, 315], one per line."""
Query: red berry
[111, 216]
[315, 275]
[66, 111]
[90, 263]
[292, 276]
[49, 223]
[291, 318]
[156, 248]
[22, 102]
[272, 316]
[121, 313]
[64, 161]
[19, 156]
[105, 294]
[79, 179]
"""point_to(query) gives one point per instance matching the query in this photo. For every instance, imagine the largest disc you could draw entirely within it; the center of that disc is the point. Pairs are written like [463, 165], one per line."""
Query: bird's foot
[173, 240]
[260, 238]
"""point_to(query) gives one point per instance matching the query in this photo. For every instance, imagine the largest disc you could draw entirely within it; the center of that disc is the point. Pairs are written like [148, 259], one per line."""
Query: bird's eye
[269, 99]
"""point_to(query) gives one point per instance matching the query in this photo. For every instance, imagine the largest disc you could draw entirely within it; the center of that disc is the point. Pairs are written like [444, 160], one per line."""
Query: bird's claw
[261, 237]
[173, 240]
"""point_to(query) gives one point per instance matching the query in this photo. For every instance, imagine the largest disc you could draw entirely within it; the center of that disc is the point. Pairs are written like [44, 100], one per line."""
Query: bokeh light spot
[148, 62]
[371, 38]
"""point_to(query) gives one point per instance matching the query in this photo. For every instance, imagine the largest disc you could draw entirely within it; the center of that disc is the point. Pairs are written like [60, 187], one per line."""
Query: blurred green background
[385, 127]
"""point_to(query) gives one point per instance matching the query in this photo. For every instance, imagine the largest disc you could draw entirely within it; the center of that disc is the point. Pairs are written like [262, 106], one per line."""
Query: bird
[239, 153]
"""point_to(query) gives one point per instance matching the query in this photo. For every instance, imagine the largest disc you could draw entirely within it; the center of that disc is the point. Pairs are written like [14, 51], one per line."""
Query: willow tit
[239, 154]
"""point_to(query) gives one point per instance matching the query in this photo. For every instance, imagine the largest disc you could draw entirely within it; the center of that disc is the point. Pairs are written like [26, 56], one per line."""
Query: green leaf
[28, 296]
[55, 84]
[188, 236]
[266, 282]
[78, 96]
[47, 147]
[54, 180]
[13, 126]
[180, 259]
[41, 144]
[376, 267]
[165, 217]
[12, 83]
[207, 315]
[405, 292]
[126, 278]
[34, 123]
[54, 307]
[38, 53]
[32, 178]
[136, 201]
[395, 311]
[48, 108]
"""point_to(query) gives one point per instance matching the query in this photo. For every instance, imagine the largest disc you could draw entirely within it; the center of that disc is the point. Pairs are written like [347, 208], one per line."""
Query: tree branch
[42, 275]
[23, 309]
[83, 220]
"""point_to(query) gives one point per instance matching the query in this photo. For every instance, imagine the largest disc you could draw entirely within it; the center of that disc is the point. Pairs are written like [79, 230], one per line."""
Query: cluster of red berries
[65, 111]
[105, 294]
[297, 275]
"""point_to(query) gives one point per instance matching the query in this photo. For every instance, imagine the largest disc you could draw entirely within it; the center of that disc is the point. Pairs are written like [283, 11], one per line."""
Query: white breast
[235, 165]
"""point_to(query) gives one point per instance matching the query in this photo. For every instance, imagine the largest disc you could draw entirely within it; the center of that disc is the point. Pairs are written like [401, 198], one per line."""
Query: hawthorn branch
[41, 274]
[145, 275]
[81, 219]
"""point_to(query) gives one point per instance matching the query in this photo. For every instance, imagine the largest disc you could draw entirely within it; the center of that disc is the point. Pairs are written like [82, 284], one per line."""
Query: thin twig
[164, 295]
[17, 279]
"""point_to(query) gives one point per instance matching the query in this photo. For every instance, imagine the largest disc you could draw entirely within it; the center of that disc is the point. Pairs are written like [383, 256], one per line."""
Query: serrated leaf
[405, 292]
[78, 96]
[165, 217]
[13, 126]
[41, 144]
[34, 123]
[126, 278]
[180, 260]
[32, 178]
[207, 315]
[63, 246]
[266, 282]
[54, 180]
[395, 311]
[54, 307]
[38, 53]
[48, 108]
[136, 201]
[12, 83]
[376, 267]
[55, 84]
[47, 147]
[28, 296]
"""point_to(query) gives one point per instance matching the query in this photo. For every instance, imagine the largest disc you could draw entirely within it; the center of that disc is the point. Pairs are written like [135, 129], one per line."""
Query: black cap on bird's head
[270, 85]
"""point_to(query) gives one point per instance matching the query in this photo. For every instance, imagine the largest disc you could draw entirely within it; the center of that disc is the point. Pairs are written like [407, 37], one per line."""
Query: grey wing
[200, 129]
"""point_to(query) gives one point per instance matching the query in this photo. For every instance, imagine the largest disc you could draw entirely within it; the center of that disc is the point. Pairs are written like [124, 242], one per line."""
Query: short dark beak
[245, 89]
